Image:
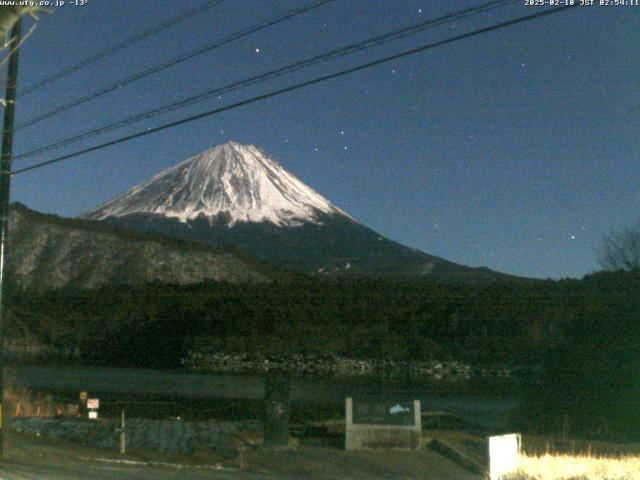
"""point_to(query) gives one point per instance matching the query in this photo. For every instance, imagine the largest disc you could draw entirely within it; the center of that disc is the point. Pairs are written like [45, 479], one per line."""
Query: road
[39, 459]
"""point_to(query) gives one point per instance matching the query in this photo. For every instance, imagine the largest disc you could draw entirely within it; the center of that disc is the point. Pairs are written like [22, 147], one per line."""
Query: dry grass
[22, 401]
[576, 467]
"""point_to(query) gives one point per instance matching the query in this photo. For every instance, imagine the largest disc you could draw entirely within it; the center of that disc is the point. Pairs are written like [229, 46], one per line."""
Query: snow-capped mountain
[238, 181]
[237, 194]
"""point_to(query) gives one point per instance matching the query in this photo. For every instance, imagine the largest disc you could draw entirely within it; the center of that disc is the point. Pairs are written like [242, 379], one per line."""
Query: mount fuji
[237, 194]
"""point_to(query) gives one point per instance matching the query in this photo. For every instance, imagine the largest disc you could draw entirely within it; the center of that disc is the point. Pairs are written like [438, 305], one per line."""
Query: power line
[272, 74]
[120, 46]
[298, 86]
[170, 63]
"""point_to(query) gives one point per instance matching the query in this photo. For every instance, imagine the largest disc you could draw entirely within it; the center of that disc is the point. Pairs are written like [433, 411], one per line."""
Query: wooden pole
[123, 438]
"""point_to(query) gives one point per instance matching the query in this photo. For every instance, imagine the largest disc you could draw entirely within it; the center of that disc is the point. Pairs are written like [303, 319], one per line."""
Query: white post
[504, 452]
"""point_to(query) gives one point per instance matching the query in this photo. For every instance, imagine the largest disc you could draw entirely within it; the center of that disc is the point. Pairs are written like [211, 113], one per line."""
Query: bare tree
[621, 250]
[10, 14]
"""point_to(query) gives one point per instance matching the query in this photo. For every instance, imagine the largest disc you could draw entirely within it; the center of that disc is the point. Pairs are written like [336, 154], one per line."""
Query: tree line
[584, 334]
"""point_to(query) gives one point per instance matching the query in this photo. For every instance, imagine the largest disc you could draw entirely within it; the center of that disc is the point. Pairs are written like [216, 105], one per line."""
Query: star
[346, 148]
[257, 50]
[419, 10]
[572, 237]
[393, 71]
[316, 149]
[341, 132]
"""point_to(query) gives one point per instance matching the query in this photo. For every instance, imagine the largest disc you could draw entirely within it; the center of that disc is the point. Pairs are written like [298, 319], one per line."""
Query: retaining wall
[164, 436]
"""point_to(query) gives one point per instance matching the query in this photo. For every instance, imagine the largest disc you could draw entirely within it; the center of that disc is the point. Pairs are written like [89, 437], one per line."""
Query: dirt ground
[39, 459]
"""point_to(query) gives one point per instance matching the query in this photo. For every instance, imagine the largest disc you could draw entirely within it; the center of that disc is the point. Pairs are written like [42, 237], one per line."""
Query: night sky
[516, 150]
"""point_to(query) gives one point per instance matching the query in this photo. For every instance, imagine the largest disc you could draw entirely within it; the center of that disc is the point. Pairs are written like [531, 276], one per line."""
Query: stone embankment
[336, 366]
[164, 436]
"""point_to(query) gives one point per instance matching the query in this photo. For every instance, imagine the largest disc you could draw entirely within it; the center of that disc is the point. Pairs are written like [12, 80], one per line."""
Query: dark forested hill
[51, 252]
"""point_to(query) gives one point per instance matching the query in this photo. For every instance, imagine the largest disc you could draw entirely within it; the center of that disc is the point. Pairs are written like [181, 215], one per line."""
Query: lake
[158, 392]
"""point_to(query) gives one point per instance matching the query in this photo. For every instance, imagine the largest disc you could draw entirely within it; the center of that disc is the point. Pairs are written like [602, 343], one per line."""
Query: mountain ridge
[237, 194]
[50, 252]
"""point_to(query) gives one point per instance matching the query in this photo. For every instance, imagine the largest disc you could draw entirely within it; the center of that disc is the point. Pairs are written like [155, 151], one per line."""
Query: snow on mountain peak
[238, 180]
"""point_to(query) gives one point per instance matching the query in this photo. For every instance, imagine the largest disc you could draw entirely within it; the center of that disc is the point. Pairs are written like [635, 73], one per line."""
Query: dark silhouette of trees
[621, 250]
[583, 335]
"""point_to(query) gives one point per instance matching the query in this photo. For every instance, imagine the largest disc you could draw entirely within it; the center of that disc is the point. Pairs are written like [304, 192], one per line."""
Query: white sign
[93, 403]
[504, 451]
[93, 415]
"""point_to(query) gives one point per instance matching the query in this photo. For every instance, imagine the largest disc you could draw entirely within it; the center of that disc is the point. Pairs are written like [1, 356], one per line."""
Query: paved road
[38, 459]
[46, 469]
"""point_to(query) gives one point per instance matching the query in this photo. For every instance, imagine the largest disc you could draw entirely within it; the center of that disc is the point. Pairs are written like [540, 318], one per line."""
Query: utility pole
[5, 184]
[123, 435]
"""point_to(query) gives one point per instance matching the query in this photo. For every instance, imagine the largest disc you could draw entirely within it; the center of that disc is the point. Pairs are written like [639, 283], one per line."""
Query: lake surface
[488, 405]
